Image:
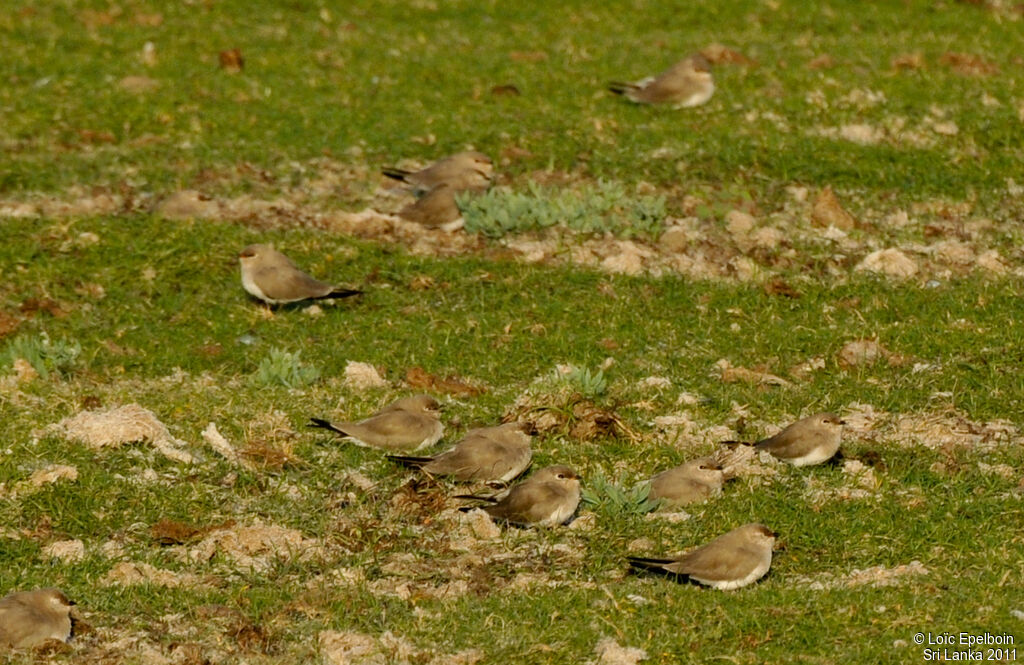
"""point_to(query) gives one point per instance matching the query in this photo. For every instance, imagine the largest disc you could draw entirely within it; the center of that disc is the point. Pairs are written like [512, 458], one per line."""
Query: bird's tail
[620, 88]
[397, 174]
[414, 462]
[732, 445]
[474, 497]
[644, 563]
[341, 293]
[325, 424]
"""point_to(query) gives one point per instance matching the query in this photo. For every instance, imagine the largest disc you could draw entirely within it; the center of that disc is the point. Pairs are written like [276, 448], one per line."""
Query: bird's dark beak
[71, 602]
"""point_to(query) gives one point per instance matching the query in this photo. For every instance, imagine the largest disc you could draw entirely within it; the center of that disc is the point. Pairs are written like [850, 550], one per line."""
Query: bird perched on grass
[436, 209]
[686, 83]
[496, 454]
[272, 277]
[813, 440]
[730, 561]
[463, 171]
[547, 498]
[29, 618]
[405, 425]
[687, 483]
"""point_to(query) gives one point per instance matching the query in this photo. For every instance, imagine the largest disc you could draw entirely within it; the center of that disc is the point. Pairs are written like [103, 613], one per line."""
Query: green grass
[149, 310]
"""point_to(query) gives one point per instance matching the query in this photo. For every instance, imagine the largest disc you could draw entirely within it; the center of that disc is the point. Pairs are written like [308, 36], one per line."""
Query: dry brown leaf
[172, 532]
[231, 60]
[148, 20]
[94, 18]
[757, 376]
[968, 64]
[828, 212]
[93, 137]
[8, 323]
[718, 54]
[506, 90]
[417, 377]
[823, 61]
[913, 60]
[780, 287]
[514, 153]
[420, 497]
[528, 56]
[48, 305]
[590, 422]
[422, 283]
[271, 454]
[250, 636]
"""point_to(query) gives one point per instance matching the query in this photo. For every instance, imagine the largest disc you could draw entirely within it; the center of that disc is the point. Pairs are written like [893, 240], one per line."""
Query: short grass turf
[371, 83]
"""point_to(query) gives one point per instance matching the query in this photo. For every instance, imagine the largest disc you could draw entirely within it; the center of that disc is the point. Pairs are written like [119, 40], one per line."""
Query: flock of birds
[547, 498]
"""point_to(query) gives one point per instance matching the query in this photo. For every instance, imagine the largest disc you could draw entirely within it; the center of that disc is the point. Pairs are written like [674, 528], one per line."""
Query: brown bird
[733, 560]
[686, 83]
[462, 171]
[813, 440]
[405, 425]
[271, 276]
[687, 483]
[436, 209]
[547, 498]
[486, 454]
[29, 618]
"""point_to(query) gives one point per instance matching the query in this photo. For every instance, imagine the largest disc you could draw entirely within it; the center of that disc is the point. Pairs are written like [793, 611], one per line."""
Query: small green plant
[282, 368]
[45, 356]
[589, 384]
[602, 208]
[613, 498]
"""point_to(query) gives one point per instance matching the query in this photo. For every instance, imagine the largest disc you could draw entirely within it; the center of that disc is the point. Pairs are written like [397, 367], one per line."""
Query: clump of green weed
[589, 384]
[282, 368]
[602, 208]
[44, 355]
[613, 498]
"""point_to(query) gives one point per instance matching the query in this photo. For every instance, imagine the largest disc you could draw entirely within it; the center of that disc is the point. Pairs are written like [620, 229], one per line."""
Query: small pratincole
[547, 498]
[405, 425]
[29, 618]
[486, 454]
[694, 481]
[463, 171]
[733, 560]
[685, 84]
[270, 276]
[813, 440]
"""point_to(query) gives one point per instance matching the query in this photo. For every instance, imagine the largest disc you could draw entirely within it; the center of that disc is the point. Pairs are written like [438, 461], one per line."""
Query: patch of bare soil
[876, 576]
[752, 245]
[115, 427]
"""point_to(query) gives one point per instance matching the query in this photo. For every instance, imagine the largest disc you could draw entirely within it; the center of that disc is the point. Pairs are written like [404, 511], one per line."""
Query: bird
[436, 209]
[270, 276]
[685, 84]
[485, 454]
[813, 440]
[547, 498]
[470, 170]
[730, 561]
[687, 483]
[29, 618]
[406, 425]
